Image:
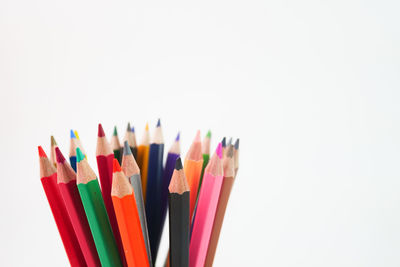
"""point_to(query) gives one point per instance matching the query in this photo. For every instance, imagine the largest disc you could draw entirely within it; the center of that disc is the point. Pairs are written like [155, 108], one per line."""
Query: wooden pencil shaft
[179, 234]
[99, 223]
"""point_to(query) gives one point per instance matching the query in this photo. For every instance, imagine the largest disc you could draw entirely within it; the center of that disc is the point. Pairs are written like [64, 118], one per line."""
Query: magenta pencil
[206, 209]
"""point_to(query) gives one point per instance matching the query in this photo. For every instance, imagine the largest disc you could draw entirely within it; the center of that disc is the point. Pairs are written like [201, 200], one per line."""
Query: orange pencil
[193, 167]
[128, 219]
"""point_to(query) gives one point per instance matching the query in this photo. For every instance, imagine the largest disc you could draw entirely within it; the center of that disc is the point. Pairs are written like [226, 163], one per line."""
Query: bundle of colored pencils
[118, 219]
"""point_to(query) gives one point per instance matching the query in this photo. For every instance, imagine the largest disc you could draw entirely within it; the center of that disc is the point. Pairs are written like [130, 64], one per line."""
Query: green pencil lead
[79, 155]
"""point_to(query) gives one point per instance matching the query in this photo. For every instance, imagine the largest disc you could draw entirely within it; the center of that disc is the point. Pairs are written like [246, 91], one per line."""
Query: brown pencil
[229, 174]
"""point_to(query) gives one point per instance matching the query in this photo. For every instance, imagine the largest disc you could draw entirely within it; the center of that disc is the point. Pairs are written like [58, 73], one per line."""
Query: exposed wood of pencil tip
[115, 144]
[158, 136]
[195, 150]
[65, 173]
[85, 173]
[129, 165]
[176, 146]
[206, 144]
[178, 183]
[229, 163]
[145, 141]
[215, 165]
[103, 148]
[120, 185]
[46, 168]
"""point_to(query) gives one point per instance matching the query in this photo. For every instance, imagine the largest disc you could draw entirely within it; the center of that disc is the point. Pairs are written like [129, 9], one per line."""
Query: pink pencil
[206, 209]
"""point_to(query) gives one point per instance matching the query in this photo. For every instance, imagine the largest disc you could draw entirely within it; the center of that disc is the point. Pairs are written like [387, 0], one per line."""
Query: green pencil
[116, 145]
[206, 157]
[96, 213]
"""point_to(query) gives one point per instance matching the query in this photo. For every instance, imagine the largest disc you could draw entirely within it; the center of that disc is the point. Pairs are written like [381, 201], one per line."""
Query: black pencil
[179, 202]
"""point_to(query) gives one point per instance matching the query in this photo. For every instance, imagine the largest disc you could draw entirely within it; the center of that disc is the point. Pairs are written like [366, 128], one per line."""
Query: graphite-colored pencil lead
[237, 144]
[178, 164]
[223, 142]
[127, 149]
[53, 141]
[100, 132]
[128, 127]
[159, 123]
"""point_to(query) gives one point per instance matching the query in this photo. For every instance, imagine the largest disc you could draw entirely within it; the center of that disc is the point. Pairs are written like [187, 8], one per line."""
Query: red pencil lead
[116, 166]
[101, 131]
[41, 152]
[59, 156]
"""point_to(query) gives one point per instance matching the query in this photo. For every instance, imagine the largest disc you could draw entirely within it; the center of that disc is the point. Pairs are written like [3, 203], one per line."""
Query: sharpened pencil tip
[237, 144]
[53, 141]
[230, 151]
[127, 149]
[116, 167]
[178, 136]
[197, 139]
[209, 134]
[159, 123]
[72, 134]
[133, 129]
[178, 164]
[79, 155]
[42, 154]
[219, 150]
[76, 134]
[100, 132]
[229, 142]
[147, 126]
[115, 133]
[128, 127]
[59, 156]
[223, 142]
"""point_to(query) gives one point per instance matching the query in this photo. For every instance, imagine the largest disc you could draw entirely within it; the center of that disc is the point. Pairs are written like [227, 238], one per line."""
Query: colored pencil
[223, 142]
[66, 180]
[143, 158]
[154, 184]
[72, 150]
[53, 145]
[236, 156]
[96, 213]
[104, 158]
[173, 153]
[179, 218]
[229, 179]
[193, 166]
[130, 137]
[79, 143]
[116, 145]
[128, 219]
[205, 149]
[134, 142]
[48, 178]
[206, 209]
[132, 171]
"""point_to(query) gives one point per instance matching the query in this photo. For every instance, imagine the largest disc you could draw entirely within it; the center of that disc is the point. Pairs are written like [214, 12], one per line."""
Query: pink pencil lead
[219, 150]
[197, 139]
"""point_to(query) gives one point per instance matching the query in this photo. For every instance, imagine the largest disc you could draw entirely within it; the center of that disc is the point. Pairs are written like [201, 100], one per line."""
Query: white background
[310, 87]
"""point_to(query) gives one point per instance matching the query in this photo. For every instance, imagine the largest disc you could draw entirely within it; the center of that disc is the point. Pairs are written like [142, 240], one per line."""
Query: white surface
[310, 87]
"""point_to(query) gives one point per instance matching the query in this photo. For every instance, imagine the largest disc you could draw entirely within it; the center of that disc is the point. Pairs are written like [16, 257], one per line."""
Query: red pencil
[48, 177]
[66, 180]
[104, 157]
